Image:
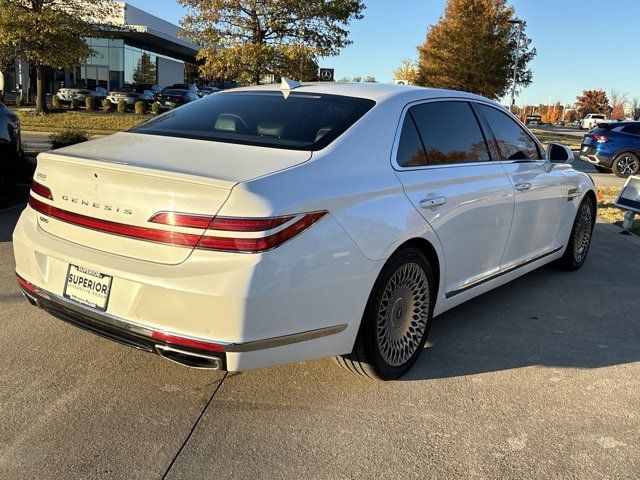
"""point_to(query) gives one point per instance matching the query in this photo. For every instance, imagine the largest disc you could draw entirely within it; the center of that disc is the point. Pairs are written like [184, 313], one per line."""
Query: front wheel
[396, 320]
[580, 239]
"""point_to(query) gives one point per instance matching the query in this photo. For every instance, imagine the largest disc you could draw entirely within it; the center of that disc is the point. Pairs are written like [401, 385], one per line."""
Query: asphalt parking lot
[537, 379]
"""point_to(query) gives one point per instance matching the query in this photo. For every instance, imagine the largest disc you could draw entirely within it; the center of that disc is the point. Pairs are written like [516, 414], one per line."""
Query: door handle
[522, 186]
[432, 202]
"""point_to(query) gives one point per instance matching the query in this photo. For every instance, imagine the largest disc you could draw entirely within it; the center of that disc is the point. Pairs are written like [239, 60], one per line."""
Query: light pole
[518, 22]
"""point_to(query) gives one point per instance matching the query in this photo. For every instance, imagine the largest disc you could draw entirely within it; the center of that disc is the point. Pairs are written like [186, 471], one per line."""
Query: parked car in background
[10, 153]
[177, 96]
[208, 90]
[591, 120]
[79, 92]
[131, 94]
[261, 226]
[192, 87]
[613, 147]
[533, 120]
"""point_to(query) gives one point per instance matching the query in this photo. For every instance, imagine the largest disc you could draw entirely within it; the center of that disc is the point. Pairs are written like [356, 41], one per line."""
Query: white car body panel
[322, 278]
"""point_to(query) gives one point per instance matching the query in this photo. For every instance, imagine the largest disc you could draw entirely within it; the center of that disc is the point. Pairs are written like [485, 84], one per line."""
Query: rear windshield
[174, 92]
[597, 116]
[302, 121]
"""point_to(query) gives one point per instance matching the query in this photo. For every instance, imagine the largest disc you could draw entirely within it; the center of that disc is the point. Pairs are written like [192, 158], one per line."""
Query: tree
[618, 102]
[473, 48]
[570, 115]
[145, 71]
[635, 108]
[249, 39]
[592, 101]
[408, 72]
[50, 33]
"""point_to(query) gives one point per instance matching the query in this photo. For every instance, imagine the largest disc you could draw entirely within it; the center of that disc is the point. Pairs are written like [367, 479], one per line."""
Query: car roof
[373, 91]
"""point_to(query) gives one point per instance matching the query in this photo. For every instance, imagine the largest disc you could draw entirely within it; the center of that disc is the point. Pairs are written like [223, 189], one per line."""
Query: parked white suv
[591, 120]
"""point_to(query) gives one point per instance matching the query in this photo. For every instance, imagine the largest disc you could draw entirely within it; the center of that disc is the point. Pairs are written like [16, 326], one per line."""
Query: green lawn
[98, 122]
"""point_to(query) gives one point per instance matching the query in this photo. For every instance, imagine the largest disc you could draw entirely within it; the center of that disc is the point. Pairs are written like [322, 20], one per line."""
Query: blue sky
[581, 43]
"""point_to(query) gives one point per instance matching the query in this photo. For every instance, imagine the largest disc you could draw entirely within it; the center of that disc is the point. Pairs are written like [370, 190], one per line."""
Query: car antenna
[286, 85]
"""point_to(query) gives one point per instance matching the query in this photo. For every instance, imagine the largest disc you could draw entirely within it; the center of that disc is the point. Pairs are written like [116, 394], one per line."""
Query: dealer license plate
[88, 287]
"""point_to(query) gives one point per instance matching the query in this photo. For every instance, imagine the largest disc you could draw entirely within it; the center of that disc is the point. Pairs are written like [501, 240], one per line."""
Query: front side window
[513, 142]
[450, 133]
[301, 121]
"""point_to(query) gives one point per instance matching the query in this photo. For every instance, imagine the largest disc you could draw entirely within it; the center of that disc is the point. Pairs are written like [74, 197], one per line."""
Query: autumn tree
[570, 115]
[249, 39]
[50, 33]
[592, 101]
[407, 71]
[473, 47]
[618, 103]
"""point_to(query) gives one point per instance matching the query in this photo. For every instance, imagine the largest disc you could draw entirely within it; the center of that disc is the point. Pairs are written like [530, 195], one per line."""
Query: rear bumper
[591, 155]
[120, 331]
[301, 301]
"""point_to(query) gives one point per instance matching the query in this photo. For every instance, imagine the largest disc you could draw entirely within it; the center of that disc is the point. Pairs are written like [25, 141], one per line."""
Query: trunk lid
[127, 178]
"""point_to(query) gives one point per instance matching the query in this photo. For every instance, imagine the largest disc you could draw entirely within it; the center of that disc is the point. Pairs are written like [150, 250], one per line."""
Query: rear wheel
[580, 239]
[626, 164]
[602, 169]
[396, 320]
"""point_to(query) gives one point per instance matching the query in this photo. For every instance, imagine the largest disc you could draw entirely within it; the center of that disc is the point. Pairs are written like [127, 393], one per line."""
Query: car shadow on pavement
[549, 317]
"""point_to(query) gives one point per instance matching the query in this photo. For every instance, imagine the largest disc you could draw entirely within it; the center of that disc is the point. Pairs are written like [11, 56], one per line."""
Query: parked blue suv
[613, 147]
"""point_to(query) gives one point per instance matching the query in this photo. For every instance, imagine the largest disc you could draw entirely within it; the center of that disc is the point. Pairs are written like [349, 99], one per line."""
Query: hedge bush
[68, 136]
[122, 106]
[173, 105]
[75, 103]
[19, 101]
[89, 103]
[155, 108]
[55, 102]
[140, 107]
[106, 104]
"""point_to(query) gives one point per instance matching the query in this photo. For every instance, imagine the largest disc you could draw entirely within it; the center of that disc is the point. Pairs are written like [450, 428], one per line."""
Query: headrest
[271, 129]
[226, 123]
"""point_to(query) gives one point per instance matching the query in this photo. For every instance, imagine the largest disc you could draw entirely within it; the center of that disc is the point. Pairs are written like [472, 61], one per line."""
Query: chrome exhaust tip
[190, 359]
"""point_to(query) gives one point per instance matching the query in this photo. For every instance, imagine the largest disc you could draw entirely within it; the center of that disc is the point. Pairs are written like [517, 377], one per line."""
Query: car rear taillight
[182, 219]
[41, 190]
[187, 342]
[257, 244]
[26, 285]
[600, 138]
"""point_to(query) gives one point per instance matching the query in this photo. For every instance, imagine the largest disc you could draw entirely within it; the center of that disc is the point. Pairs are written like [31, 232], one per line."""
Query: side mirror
[557, 153]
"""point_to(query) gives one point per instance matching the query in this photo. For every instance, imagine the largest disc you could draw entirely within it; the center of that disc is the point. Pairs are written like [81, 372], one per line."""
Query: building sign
[326, 75]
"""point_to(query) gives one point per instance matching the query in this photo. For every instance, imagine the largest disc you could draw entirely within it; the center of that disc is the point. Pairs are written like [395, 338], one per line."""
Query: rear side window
[302, 121]
[513, 141]
[450, 133]
[410, 150]
[632, 129]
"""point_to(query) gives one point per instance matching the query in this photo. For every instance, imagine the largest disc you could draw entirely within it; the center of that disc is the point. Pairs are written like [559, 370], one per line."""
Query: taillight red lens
[254, 245]
[601, 138]
[41, 190]
[26, 285]
[248, 224]
[182, 219]
[187, 342]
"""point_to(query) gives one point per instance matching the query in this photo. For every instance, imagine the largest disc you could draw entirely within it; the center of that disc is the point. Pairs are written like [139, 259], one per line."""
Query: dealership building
[142, 49]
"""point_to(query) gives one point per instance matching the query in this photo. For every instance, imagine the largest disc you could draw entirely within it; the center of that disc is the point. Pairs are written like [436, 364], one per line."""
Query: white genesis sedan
[268, 225]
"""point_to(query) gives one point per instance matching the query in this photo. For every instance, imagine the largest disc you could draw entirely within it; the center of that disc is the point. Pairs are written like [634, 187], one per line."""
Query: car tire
[396, 320]
[577, 248]
[625, 164]
[602, 169]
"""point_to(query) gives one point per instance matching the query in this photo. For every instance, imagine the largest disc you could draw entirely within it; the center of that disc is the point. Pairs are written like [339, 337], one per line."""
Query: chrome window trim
[403, 114]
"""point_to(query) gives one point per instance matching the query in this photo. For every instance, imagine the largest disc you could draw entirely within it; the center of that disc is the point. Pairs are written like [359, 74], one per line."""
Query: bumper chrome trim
[81, 315]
